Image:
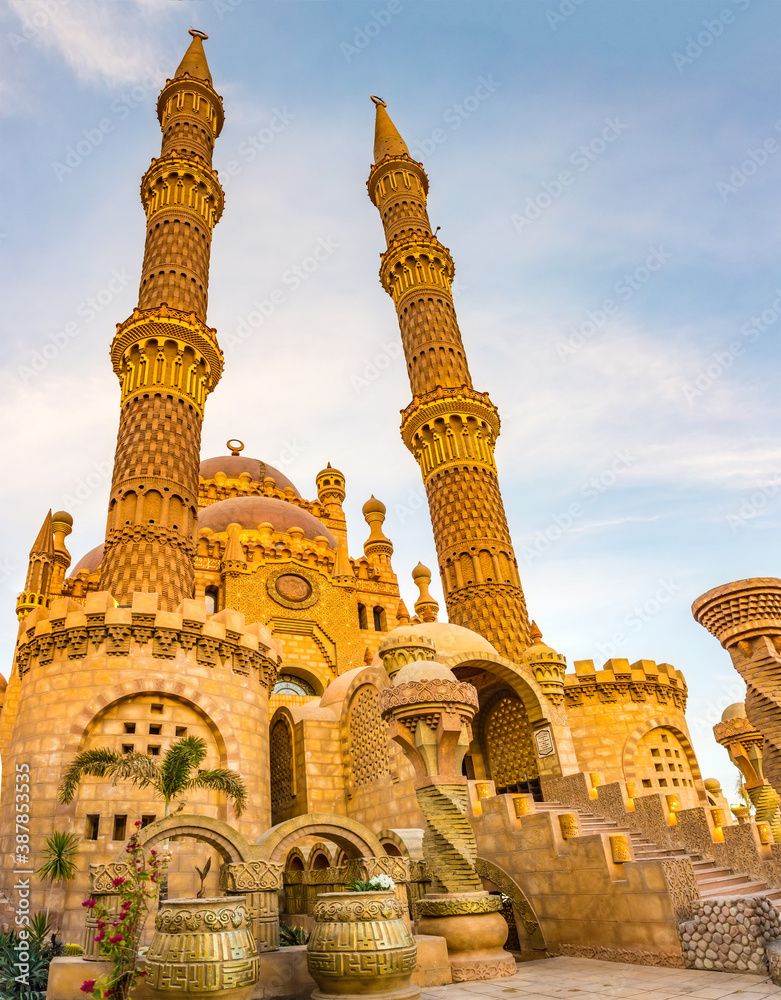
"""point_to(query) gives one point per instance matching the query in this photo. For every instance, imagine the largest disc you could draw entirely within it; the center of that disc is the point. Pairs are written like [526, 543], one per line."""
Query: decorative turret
[402, 615]
[234, 561]
[330, 487]
[547, 666]
[41, 569]
[425, 607]
[62, 526]
[343, 571]
[450, 428]
[745, 617]
[376, 546]
[166, 358]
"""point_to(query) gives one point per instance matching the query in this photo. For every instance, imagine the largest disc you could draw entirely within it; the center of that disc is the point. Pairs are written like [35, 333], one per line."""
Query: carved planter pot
[475, 931]
[203, 947]
[361, 946]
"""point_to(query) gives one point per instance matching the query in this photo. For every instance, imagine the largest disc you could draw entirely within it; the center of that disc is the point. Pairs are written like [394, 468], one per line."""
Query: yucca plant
[60, 864]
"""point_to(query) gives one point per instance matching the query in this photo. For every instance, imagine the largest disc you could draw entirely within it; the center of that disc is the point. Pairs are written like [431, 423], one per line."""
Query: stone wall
[586, 903]
[730, 935]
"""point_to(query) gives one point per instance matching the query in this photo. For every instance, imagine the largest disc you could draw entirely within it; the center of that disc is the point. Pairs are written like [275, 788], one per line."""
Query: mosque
[225, 603]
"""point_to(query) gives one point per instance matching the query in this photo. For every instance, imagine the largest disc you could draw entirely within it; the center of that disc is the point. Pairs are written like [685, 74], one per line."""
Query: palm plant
[60, 865]
[171, 775]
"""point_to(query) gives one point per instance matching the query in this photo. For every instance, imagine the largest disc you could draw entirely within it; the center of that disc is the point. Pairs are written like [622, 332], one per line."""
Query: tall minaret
[165, 356]
[449, 427]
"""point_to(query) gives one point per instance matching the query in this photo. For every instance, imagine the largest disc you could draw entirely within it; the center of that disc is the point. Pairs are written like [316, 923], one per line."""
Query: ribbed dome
[234, 465]
[91, 561]
[249, 512]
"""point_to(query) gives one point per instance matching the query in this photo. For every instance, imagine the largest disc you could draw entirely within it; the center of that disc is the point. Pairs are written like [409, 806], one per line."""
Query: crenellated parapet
[618, 680]
[68, 631]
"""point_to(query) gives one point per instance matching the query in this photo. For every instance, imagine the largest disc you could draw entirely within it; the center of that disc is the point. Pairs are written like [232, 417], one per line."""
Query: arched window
[379, 619]
[362, 619]
[288, 684]
[212, 599]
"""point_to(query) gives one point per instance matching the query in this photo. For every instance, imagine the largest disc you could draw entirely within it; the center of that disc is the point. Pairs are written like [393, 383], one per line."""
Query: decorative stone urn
[475, 930]
[204, 947]
[361, 946]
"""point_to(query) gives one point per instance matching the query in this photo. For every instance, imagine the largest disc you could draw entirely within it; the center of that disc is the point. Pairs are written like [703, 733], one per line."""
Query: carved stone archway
[499, 877]
[228, 843]
[348, 834]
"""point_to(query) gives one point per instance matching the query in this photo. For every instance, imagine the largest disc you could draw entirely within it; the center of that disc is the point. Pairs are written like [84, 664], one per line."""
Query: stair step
[747, 889]
[724, 881]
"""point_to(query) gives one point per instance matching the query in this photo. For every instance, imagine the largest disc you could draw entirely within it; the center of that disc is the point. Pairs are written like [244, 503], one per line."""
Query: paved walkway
[584, 979]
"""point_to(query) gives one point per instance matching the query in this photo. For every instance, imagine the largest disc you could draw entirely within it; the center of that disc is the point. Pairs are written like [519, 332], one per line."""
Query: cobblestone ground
[583, 979]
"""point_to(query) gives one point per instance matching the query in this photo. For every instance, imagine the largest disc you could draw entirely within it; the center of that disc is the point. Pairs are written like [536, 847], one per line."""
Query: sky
[606, 176]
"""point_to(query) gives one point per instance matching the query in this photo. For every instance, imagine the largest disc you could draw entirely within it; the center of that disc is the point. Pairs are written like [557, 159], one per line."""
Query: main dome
[234, 465]
[249, 512]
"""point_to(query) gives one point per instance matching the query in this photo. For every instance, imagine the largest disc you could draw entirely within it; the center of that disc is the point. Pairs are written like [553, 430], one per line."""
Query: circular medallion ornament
[292, 590]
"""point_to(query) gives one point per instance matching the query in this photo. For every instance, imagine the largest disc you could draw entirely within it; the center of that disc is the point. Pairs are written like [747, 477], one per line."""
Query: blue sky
[606, 175]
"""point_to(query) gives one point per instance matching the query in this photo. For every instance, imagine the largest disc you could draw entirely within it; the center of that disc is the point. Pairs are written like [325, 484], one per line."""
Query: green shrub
[14, 957]
[290, 936]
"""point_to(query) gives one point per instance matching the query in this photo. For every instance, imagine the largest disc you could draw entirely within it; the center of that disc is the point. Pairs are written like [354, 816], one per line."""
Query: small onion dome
[373, 506]
[90, 562]
[249, 512]
[235, 465]
[421, 572]
[712, 785]
[546, 664]
[734, 711]
[423, 670]
[63, 517]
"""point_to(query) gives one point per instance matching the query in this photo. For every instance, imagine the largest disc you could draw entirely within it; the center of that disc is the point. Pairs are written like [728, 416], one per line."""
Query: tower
[166, 358]
[449, 427]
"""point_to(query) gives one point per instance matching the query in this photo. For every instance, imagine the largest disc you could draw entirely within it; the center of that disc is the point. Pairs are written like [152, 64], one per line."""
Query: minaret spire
[166, 358]
[449, 427]
[387, 140]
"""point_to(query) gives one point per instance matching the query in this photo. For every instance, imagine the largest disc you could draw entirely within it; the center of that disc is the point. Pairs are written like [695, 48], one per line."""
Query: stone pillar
[101, 878]
[429, 713]
[260, 882]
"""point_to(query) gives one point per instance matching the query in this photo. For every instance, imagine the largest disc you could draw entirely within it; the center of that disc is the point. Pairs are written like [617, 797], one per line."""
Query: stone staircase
[712, 880]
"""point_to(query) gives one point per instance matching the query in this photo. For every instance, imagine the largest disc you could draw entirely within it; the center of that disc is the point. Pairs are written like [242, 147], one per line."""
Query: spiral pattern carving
[448, 842]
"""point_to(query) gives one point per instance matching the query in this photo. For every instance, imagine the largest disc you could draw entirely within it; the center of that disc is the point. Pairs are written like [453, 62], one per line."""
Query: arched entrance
[527, 925]
[356, 840]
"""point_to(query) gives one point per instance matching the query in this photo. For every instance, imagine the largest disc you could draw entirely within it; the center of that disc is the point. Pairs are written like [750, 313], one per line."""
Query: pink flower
[152, 853]
[89, 903]
[88, 986]
[99, 937]
[137, 823]
[115, 940]
[118, 881]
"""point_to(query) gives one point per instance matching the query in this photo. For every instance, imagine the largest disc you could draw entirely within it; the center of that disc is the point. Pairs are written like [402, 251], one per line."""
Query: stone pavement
[585, 979]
